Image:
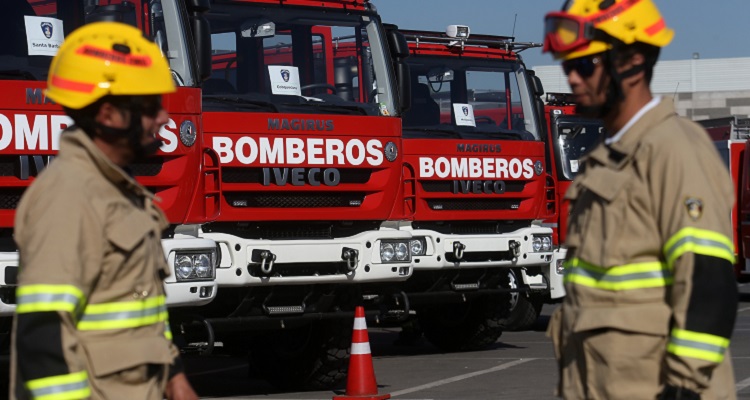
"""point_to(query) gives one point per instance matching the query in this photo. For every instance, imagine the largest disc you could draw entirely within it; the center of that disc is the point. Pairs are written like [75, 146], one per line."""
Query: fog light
[206, 291]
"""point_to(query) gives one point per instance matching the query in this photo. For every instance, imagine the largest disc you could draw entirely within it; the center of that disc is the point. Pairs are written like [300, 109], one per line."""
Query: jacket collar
[617, 154]
[76, 145]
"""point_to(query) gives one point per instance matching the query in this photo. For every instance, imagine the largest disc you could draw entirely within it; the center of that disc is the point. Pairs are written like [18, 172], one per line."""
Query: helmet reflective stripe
[42, 298]
[702, 346]
[120, 315]
[70, 386]
[621, 277]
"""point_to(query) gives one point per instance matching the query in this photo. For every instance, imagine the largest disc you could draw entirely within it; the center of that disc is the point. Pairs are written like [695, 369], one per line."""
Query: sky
[711, 28]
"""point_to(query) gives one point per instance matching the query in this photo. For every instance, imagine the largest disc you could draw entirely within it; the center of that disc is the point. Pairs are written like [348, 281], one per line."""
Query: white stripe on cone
[360, 324]
[360, 348]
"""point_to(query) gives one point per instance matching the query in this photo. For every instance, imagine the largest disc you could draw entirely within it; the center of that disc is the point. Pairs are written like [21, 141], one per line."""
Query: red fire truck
[476, 188]
[731, 136]
[569, 137]
[300, 127]
[30, 127]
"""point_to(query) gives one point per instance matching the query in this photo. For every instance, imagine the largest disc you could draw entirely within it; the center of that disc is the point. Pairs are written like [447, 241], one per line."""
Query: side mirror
[257, 28]
[396, 41]
[536, 83]
[439, 75]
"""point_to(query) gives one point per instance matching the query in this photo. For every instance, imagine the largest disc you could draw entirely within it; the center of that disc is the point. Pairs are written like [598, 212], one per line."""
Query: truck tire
[525, 307]
[473, 325]
[314, 357]
[525, 313]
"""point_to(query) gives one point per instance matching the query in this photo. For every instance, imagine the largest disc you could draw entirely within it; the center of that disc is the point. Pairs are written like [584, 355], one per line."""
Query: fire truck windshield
[33, 30]
[575, 137]
[301, 60]
[479, 98]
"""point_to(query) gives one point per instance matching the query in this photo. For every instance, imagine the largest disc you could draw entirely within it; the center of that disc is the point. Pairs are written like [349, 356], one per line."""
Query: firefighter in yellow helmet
[651, 297]
[91, 318]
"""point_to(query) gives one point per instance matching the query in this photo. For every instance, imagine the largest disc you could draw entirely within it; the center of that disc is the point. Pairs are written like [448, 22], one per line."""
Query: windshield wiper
[239, 101]
[341, 108]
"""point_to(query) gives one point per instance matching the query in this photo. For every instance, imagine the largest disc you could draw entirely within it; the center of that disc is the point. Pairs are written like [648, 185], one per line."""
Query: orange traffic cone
[360, 382]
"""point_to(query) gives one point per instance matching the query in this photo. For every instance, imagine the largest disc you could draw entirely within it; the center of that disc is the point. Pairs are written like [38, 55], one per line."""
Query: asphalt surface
[519, 366]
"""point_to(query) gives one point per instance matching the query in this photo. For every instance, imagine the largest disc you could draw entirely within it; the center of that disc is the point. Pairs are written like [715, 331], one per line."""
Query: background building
[702, 88]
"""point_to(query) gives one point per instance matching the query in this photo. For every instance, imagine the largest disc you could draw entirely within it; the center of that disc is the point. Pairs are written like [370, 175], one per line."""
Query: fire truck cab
[476, 188]
[303, 141]
[731, 136]
[569, 137]
[31, 124]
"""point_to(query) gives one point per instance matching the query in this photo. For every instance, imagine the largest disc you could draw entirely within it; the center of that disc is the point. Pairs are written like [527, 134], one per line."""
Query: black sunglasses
[583, 66]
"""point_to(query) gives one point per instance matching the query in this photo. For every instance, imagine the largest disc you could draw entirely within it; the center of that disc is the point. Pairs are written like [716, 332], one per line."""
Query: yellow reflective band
[62, 387]
[698, 241]
[128, 314]
[622, 277]
[167, 331]
[702, 346]
[43, 298]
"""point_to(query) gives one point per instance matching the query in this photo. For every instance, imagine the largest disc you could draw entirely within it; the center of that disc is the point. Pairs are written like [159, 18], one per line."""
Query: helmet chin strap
[134, 132]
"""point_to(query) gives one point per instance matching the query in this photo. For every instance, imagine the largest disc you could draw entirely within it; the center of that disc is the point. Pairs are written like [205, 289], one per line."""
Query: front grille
[447, 186]
[292, 230]
[294, 200]
[255, 175]
[150, 167]
[9, 198]
[473, 204]
[9, 166]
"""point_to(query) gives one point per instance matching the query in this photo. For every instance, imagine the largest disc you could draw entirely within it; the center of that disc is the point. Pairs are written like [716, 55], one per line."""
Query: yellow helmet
[106, 58]
[589, 26]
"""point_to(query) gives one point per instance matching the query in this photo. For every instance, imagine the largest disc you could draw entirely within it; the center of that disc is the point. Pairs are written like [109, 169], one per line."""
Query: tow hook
[458, 250]
[515, 248]
[351, 256]
[266, 261]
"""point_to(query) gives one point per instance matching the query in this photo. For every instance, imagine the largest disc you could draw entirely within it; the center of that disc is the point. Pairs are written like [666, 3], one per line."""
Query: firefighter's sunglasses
[583, 66]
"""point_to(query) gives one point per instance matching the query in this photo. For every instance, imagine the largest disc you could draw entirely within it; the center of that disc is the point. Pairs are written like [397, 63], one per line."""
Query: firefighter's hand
[178, 388]
[678, 393]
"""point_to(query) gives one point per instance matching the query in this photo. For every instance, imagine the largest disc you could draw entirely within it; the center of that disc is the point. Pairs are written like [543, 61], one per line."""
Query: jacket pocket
[110, 356]
[128, 231]
[606, 183]
[649, 318]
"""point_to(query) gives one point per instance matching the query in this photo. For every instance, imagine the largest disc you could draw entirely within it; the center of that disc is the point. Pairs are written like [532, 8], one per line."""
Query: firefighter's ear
[111, 116]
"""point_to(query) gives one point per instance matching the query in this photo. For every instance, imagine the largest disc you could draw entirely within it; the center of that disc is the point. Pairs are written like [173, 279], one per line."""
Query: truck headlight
[195, 265]
[402, 251]
[417, 246]
[546, 243]
[394, 251]
[541, 243]
[536, 243]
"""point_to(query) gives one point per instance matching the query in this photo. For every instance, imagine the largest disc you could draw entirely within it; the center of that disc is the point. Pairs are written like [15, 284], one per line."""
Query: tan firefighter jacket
[650, 244]
[90, 300]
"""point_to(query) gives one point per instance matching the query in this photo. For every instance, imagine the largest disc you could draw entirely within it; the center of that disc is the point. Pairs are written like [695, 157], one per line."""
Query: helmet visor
[564, 32]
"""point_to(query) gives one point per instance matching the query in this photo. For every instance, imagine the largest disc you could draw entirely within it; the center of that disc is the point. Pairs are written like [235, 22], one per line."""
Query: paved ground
[519, 366]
